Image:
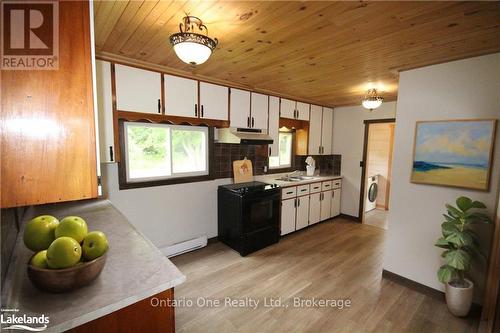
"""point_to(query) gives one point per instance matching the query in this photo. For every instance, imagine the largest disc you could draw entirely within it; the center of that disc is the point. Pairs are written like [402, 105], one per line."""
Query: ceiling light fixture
[372, 100]
[192, 44]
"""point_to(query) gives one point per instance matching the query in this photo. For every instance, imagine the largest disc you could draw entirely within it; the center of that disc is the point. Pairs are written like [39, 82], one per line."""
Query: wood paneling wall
[48, 147]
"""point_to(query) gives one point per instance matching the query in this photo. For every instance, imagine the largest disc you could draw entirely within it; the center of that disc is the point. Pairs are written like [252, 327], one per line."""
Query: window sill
[163, 182]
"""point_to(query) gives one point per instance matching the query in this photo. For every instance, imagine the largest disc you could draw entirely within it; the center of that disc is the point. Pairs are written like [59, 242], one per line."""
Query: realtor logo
[30, 35]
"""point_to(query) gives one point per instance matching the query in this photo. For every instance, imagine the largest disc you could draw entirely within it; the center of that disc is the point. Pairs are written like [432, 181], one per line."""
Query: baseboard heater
[186, 246]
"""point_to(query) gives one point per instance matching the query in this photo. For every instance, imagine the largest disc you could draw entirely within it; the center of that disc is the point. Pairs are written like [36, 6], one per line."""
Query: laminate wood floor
[337, 259]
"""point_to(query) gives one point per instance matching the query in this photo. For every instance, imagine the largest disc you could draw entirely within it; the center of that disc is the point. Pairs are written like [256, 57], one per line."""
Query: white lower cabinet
[302, 220]
[326, 205]
[335, 209]
[287, 216]
[314, 208]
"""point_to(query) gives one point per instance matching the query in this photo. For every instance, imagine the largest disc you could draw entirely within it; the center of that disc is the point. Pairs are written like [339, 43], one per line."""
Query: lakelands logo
[30, 35]
[10, 320]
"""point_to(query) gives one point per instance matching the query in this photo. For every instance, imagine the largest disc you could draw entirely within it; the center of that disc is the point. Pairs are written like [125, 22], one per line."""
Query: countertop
[272, 179]
[135, 269]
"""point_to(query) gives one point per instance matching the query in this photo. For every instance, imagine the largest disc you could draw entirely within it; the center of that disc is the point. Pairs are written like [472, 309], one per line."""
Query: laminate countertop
[135, 269]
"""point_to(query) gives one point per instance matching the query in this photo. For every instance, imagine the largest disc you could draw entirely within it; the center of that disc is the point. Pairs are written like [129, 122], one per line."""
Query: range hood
[245, 136]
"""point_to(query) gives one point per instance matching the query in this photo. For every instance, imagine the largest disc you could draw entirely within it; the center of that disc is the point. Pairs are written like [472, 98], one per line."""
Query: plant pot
[459, 299]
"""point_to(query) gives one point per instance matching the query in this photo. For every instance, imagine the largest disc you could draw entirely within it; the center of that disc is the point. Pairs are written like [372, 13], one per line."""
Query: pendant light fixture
[372, 100]
[192, 44]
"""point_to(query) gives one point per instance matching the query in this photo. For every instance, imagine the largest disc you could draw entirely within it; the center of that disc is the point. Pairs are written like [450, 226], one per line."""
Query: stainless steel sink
[294, 178]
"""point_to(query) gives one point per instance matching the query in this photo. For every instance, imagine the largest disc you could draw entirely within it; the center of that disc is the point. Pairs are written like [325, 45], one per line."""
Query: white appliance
[371, 193]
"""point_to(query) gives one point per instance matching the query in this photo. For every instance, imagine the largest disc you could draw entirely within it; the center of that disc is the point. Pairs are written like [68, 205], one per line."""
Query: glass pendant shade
[372, 100]
[192, 53]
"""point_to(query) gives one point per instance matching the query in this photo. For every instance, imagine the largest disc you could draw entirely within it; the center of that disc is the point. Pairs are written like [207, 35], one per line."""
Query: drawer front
[302, 190]
[337, 183]
[325, 186]
[289, 192]
[315, 188]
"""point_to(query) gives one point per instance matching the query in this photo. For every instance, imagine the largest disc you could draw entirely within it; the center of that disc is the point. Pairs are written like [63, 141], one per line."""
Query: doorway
[376, 172]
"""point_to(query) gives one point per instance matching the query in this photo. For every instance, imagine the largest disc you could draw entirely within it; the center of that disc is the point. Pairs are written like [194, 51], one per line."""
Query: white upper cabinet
[240, 108]
[181, 97]
[327, 131]
[105, 111]
[137, 89]
[274, 123]
[288, 108]
[214, 101]
[302, 111]
[315, 130]
[259, 111]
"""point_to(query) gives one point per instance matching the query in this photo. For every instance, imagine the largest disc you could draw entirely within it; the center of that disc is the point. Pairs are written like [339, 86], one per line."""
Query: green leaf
[478, 204]
[464, 203]
[445, 253]
[477, 217]
[450, 219]
[454, 212]
[443, 243]
[460, 238]
[458, 259]
[448, 227]
[445, 273]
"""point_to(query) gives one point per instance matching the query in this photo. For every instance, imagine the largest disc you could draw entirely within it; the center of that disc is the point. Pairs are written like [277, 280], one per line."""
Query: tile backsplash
[226, 153]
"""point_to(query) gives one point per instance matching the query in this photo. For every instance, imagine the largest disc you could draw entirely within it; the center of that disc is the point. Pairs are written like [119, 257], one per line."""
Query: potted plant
[461, 244]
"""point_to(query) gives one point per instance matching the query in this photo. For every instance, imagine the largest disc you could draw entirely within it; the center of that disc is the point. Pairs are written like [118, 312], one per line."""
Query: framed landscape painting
[454, 153]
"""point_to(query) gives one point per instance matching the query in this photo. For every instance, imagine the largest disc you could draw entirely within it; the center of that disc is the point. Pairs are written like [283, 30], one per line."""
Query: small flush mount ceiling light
[372, 100]
[192, 44]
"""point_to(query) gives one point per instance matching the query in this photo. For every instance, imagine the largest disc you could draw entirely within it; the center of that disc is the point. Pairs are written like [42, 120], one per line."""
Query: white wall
[167, 214]
[462, 89]
[348, 133]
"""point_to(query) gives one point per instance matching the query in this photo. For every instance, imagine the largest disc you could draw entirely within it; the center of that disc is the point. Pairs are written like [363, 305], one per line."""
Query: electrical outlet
[265, 168]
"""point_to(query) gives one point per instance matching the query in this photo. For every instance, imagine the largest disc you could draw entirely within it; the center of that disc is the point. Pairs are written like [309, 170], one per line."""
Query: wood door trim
[367, 123]
[389, 167]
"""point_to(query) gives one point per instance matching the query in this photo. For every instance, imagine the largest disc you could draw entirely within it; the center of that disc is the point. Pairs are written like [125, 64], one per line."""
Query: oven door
[261, 211]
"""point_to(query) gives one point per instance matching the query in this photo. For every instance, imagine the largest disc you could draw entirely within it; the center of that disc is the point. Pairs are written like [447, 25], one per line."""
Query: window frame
[284, 166]
[123, 175]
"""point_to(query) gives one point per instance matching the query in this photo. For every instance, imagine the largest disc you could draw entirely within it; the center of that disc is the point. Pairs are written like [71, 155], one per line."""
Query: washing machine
[371, 193]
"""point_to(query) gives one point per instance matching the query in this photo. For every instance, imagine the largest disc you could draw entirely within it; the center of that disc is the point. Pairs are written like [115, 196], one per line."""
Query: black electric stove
[248, 215]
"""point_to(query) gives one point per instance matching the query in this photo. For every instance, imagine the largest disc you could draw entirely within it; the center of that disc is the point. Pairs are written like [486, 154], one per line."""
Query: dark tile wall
[226, 153]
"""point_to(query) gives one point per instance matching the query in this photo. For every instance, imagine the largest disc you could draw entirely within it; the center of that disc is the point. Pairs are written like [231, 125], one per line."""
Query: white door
[105, 111]
[326, 204]
[240, 108]
[327, 131]
[287, 108]
[181, 97]
[302, 111]
[315, 130]
[314, 208]
[302, 220]
[214, 101]
[259, 111]
[335, 203]
[274, 123]
[137, 90]
[287, 216]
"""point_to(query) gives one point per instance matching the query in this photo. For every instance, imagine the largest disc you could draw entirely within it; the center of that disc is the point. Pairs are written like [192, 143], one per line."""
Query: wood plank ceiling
[322, 51]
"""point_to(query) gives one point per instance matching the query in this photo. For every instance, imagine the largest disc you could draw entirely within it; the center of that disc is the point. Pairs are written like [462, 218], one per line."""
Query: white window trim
[283, 166]
[172, 175]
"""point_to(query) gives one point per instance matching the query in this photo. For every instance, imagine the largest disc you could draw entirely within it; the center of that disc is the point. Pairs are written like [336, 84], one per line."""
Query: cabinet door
[315, 130]
[274, 123]
[259, 111]
[302, 220]
[240, 108]
[137, 89]
[287, 108]
[104, 98]
[214, 101]
[303, 111]
[287, 216]
[181, 97]
[327, 131]
[335, 203]
[314, 208]
[326, 205]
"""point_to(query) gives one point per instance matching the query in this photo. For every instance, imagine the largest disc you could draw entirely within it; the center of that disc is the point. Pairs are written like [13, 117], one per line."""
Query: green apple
[40, 260]
[64, 252]
[72, 226]
[95, 244]
[39, 232]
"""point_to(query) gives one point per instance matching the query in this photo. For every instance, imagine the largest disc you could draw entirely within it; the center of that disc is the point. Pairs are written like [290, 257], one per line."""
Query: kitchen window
[284, 158]
[156, 152]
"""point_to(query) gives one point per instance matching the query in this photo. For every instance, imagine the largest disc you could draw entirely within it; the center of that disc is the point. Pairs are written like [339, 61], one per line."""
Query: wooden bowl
[62, 280]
